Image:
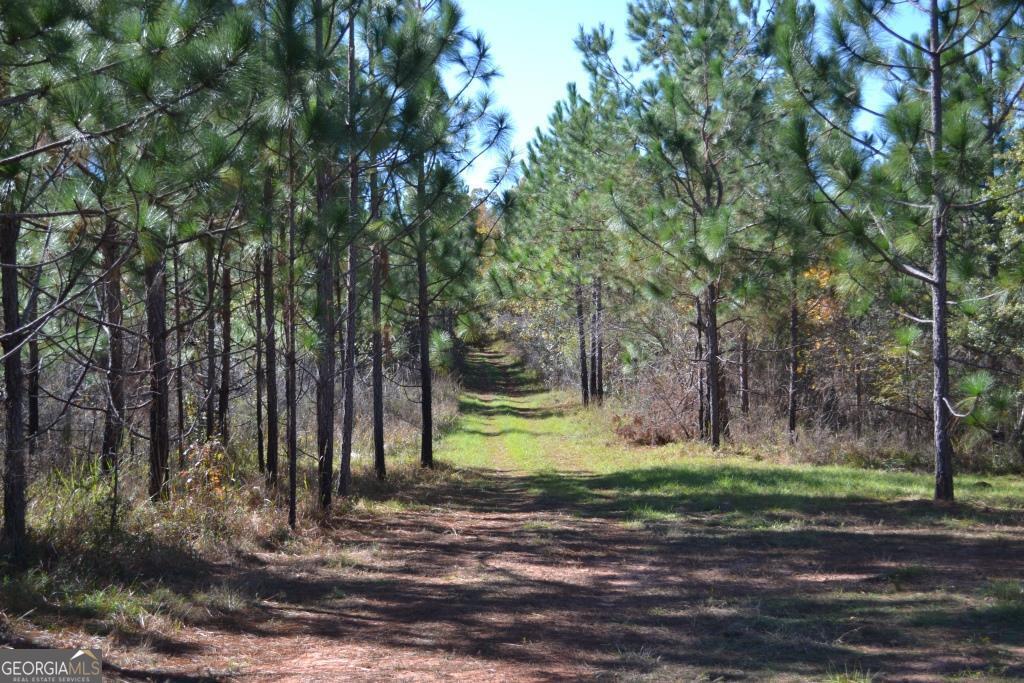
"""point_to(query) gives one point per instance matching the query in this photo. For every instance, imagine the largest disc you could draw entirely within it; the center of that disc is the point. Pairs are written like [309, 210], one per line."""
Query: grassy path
[544, 549]
[570, 455]
[727, 567]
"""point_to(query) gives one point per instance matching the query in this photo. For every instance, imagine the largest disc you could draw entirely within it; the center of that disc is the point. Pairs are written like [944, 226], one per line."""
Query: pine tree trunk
[702, 413]
[156, 328]
[377, 285]
[940, 343]
[349, 375]
[211, 355]
[351, 280]
[600, 343]
[269, 320]
[715, 402]
[744, 372]
[593, 343]
[290, 375]
[794, 368]
[378, 364]
[581, 338]
[225, 352]
[14, 456]
[339, 324]
[859, 391]
[113, 316]
[423, 320]
[260, 379]
[326, 266]
[179, 384]
[32, 375]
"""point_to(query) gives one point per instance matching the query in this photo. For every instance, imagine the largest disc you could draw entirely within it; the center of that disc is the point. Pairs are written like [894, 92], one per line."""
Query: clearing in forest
[546, 549]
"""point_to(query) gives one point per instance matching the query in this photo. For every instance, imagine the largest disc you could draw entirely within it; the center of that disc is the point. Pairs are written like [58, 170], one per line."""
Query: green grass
[565, 453]
[877, 604]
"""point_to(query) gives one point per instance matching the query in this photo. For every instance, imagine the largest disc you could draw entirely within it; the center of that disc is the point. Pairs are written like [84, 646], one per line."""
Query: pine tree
[915, 159]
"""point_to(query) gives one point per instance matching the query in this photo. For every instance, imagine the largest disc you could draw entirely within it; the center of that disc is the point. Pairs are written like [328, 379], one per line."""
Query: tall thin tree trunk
[593, 342]
[271, 366]
[378, 365]
[14, 456]
[794, 367]
[156, 327]
[940, 342]
[290, 377]
[269, 319]
[179, 384]
[423, 321]
[859, 391]
[376, 285]
[325, 363]
[351, 279]
[33, 378]
[225, 352]
[581, 338]
[211, 356]
[702, 412]
[326, 265]
[744, 372]
[340, 278]
[599, 370]
[715, 402]
[260, 379]
[113, 316]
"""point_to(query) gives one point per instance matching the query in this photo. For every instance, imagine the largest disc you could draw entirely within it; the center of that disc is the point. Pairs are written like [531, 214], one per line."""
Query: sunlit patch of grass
[643, 658]
[646, 513]
[737, 487]
[134, 613]
[570, 454]
[387, 506]
[359, 556]
[1006, 591]
[59, 593]
[222, 598]
[850, 675]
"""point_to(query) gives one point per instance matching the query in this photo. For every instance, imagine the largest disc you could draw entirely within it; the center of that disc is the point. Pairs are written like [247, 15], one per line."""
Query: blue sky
[532, 44]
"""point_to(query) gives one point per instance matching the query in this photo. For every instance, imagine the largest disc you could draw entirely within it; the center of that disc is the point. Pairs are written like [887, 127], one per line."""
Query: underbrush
[105, 559]
[764, 436]
[137, 583]
[217, 502]
[402, 414]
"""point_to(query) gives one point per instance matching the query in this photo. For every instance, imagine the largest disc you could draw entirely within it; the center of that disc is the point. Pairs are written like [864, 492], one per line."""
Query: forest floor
[549, 550]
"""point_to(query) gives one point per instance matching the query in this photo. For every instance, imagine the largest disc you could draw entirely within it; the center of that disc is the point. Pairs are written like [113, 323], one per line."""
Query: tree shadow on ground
[470, 406]
[493, 372]
[759, 494]
[94, 589]
[538, 573]
[517, 571]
